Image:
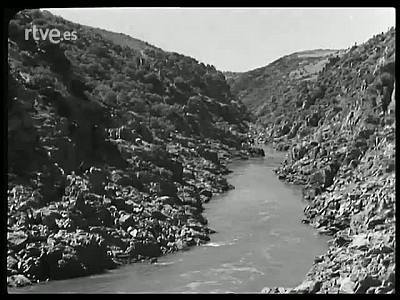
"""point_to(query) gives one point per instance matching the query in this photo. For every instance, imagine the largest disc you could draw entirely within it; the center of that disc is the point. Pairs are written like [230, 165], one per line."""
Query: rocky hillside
[265, 90]
[113, 147]
[339, 131]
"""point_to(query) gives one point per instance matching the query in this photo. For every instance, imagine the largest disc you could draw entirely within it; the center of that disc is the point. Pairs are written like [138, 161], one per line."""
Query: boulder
[18, 281]
[126, 220]
[176, 168]
[17, 240]
[97, 179]
[209, 155]
[166, 188]
[188, 174]
[312, 120]
[105, 216]
[266, 290]
[70, 266]
[92, 253]
[360, 242]
[181, 245]
[377, 220]
[127, 134]
[145, 133]
[146, 249]
[170, 200]
[257, 151]
[12, 263]
[49, 218]
[308, 287]
[206, 193]
[158, 215]
[347, 286]
[367, 282]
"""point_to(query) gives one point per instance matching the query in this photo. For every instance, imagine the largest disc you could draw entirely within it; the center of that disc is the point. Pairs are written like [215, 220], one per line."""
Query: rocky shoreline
[103, 221]
[358, 212]
[113, 147]
[347, 167]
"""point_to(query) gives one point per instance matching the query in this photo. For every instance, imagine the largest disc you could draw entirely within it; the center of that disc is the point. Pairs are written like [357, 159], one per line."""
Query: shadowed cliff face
[95, 83]
[339, 130]
[113, 146]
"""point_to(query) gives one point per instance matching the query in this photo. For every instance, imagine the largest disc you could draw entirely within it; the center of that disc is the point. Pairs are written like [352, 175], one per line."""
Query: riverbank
[358, 211]
[104, 220]
[259, 239]
[347, 169]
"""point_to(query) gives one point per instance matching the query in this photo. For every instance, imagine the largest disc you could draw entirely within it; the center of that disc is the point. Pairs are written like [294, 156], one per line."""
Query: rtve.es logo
[53, 35]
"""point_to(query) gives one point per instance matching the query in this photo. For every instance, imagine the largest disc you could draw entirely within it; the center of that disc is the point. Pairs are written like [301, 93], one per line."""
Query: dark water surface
[260, 242]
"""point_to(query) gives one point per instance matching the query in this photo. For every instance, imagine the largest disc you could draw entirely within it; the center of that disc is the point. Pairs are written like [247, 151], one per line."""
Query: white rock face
[347, 286]
[392, 104]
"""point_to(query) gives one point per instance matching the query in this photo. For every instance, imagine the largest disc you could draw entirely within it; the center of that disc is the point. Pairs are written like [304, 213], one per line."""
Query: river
[260, 241]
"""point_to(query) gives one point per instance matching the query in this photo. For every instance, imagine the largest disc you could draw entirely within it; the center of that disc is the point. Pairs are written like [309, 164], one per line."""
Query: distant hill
[123, 39]
[258, 88]
[116, 38]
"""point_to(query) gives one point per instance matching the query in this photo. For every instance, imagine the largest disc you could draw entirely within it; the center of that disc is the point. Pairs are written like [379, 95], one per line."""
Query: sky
[239, 39]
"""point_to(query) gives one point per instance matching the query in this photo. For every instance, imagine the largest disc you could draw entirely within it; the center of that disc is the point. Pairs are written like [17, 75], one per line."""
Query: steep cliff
[339, 130]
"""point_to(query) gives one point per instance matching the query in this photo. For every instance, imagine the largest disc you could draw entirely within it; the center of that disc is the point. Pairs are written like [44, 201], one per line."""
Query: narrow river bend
[260, 242]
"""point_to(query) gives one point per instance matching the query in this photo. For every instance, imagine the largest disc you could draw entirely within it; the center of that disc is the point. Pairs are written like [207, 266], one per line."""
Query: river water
[260, 241]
